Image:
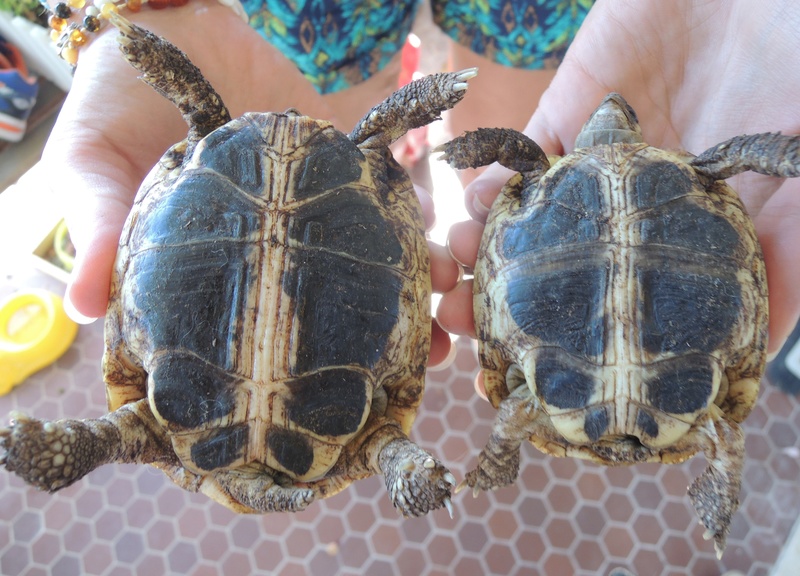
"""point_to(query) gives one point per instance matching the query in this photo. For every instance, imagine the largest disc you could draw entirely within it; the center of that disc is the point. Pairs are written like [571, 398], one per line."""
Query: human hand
[696, 74]
[113, 129]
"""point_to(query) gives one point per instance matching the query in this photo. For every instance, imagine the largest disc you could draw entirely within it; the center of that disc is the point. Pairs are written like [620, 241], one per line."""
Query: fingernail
[76, 316]
[479, 207]
[462, 268]
[448, 361]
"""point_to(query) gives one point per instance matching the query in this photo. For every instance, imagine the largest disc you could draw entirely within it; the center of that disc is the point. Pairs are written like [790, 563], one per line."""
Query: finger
[96, 249]
[94, 221]
[463, 241]
[445, 272]
[99, 189]
[454, 312]
[481, 192]
[443, 349]
[778, 227]
[552, 118]
[480, 386]
[428, 211]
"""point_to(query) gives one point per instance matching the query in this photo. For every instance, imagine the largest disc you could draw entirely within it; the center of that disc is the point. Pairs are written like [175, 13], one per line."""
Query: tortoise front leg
[715, 493]
[770, 154]
[170, 72]
[510, 148]
[416, 104]
[53, 454]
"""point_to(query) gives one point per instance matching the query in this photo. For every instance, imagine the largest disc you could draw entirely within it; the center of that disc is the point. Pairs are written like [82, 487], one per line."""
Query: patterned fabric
[334, 43]
[529, 34]
[339, 43]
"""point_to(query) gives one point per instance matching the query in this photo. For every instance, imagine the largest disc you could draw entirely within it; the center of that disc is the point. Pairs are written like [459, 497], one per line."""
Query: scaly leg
[498, 462]
[715, 493]
[770, 154]
[170, 72]
[53, 455]
[484, 146]
[417, 482]
[416, 104]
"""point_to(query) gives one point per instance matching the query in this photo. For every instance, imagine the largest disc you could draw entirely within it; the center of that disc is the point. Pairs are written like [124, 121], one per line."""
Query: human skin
[113, 128]
[697, 73]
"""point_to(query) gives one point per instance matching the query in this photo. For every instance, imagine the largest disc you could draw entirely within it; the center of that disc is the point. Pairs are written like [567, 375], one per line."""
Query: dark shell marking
[300, 202]
[626, 287]
[568, 255]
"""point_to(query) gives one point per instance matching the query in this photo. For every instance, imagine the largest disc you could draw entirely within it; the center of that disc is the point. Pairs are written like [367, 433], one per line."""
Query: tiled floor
[563, 517]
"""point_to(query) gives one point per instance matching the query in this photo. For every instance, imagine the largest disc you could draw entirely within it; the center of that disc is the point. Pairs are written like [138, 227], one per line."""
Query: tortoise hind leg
[498, 462]
[416, 104]
[254, 491]
[170, 72]
[417, 482]
[510, 148]
[715, 493]
[53, 455]
[769, 154]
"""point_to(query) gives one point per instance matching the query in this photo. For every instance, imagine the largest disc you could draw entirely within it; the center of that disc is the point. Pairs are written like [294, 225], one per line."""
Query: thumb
[98, 189]
[481, 192]
[97, 198]
[95, 225]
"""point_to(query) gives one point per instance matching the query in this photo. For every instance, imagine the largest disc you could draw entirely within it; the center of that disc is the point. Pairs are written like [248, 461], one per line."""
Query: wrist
[75, 23]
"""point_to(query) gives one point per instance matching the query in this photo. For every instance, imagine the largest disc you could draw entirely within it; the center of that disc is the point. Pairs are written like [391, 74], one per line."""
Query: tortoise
[269, 321]
[620, 302]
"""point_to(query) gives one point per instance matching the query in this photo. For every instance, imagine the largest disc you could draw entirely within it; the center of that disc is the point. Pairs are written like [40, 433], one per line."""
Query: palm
[697, 73]
[113, 128]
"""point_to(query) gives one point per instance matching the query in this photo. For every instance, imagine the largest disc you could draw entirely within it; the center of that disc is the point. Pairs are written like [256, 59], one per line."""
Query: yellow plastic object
[60, 241]
[34, 332]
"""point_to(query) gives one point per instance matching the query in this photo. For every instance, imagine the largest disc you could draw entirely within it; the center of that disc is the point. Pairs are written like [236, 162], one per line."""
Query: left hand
[445, 275]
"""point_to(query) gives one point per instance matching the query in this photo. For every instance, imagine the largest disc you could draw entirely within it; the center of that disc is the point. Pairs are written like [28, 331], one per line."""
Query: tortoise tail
[170, 72]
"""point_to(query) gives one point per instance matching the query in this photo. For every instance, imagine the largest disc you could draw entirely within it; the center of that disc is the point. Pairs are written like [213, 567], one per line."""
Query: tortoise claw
[468, 73]
[449, 505]
[417, 482]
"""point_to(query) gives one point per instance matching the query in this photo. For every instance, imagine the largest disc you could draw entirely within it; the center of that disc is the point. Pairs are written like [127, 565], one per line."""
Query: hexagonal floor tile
[561, 517]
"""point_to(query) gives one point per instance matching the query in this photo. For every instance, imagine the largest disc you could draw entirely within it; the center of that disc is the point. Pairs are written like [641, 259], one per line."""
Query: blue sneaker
[18, 90]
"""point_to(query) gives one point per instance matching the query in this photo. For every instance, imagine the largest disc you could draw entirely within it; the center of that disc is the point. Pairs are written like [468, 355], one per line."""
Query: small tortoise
[269, 322]
[620, 302]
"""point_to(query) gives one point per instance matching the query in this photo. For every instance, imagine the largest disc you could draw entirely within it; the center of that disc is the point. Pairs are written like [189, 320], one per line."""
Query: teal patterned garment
[339, 43]
[335, 44]
[529, 34]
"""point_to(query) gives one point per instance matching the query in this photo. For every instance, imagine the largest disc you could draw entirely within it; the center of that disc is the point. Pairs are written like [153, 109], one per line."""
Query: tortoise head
[614, 122]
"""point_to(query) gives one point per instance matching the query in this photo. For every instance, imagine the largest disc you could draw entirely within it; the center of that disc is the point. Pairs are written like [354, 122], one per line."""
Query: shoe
[783, 371]
[18, 90]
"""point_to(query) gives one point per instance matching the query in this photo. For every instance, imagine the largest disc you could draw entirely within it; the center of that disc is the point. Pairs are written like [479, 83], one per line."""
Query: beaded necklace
[72, 22]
